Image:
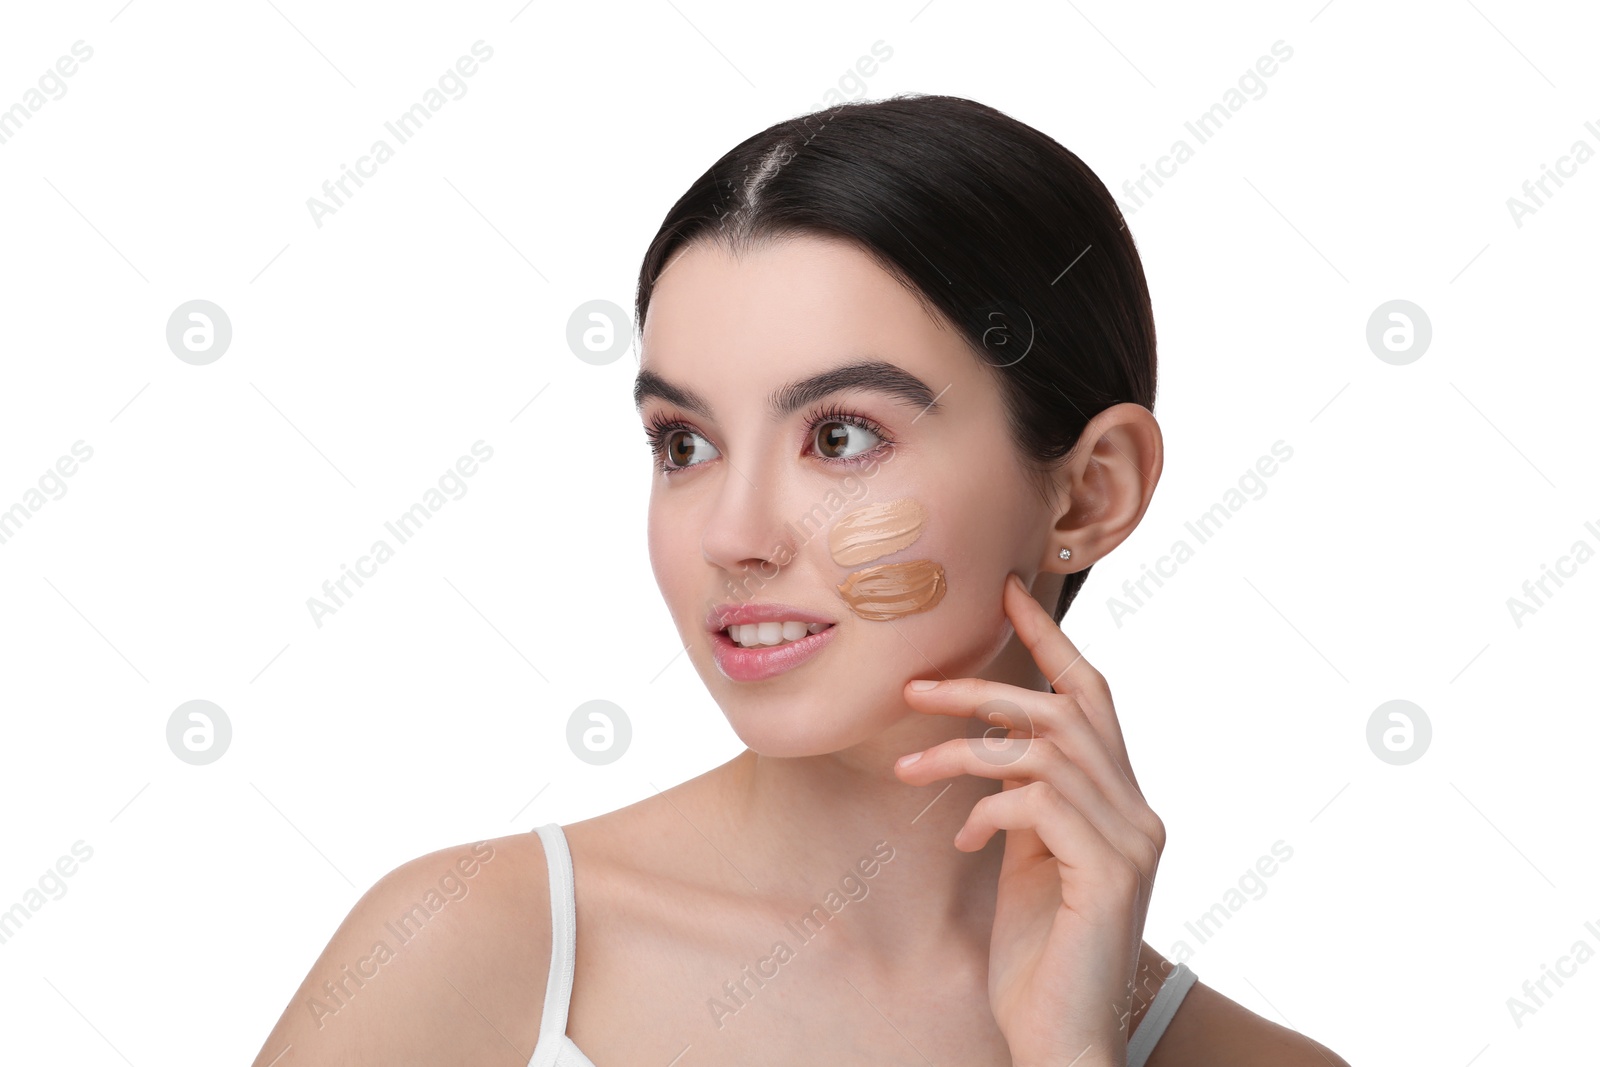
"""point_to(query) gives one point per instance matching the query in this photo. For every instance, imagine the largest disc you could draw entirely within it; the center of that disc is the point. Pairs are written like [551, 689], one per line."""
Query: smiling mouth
[772, 634]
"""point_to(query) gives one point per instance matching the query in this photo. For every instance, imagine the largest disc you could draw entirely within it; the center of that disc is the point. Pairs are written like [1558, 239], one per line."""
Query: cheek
[655, 545]
[900, 556]
[935, 569]
[885, 591]
[670, 563]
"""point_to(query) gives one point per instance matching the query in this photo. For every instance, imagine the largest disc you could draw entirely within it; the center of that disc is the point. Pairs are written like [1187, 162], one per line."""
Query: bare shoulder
[1208, 1028]
[443, 959]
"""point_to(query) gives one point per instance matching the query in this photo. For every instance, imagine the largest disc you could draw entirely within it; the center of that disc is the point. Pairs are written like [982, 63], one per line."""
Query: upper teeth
[772, 633]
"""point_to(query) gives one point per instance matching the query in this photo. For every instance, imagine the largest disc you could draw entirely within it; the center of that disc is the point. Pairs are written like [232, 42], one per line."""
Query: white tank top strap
[563, 945]
[1160, 1013]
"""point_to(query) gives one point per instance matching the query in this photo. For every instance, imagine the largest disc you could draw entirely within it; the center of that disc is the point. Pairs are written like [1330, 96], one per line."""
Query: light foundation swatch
[875, 530]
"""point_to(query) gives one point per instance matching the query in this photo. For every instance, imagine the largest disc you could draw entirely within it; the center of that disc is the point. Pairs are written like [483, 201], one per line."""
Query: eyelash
[660, 426]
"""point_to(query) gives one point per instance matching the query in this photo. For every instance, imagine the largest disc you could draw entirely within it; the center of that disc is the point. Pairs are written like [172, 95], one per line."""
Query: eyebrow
[873, 375]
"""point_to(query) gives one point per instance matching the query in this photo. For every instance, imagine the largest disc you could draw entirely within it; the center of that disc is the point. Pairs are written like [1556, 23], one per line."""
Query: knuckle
[1121, 875]
[1041, 795]
[1131, 877]
[1041, 753]
[1084, 675]
[1062, 735]
[1157, 831]
[985, 805]
[964, 687]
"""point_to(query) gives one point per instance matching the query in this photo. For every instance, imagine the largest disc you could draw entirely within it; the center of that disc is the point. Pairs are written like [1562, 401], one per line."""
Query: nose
[747, 530]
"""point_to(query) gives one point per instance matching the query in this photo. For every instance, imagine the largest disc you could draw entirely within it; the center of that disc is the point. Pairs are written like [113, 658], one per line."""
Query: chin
[781, 730]
[818, 708]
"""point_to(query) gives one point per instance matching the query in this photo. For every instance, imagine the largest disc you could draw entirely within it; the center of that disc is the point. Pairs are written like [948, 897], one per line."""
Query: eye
[840, 435]
[685, 448]
[838, 438]
[676, 446]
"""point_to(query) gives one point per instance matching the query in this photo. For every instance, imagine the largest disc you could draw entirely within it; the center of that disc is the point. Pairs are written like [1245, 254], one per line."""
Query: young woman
[897, 371]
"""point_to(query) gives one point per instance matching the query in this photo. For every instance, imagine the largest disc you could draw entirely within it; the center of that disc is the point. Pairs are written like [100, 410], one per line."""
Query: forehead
[794, 304]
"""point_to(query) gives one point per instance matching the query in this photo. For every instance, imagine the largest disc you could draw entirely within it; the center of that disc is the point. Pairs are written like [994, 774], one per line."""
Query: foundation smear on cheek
[894, 589]
[876, 530]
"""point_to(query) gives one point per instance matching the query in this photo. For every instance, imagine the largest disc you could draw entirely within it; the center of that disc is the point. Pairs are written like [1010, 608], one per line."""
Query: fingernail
[906, 761]
[924, 685]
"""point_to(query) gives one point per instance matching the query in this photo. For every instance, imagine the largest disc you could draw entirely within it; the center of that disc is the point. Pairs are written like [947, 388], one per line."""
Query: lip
[756, 664]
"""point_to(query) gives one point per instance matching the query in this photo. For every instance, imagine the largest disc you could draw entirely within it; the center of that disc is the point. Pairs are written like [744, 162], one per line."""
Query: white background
[428, 311]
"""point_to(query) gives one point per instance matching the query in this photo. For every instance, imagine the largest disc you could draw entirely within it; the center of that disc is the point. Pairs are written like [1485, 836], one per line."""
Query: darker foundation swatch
[893, 590]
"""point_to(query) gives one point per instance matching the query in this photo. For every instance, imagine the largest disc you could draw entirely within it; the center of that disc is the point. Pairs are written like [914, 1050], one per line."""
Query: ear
[1104, 486]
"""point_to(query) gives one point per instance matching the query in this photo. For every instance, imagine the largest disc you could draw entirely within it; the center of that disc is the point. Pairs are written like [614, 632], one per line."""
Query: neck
[813, 826]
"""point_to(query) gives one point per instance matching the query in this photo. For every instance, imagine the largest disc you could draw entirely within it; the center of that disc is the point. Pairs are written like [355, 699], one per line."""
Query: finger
[1114, 881]
[1065, 668]
[1057, 717]
[1027, 760]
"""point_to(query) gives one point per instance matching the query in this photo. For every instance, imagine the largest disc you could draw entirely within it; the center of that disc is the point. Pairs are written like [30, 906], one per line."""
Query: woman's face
[891, 508]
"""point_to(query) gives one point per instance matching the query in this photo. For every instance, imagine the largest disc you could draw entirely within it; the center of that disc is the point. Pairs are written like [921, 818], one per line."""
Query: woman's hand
[1081, 846]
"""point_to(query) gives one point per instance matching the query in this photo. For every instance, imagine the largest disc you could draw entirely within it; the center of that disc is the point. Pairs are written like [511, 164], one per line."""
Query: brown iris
[680, 448]
[833, 438]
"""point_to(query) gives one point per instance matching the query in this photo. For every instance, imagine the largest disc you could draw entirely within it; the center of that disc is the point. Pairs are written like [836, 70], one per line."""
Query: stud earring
[1066, 553]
